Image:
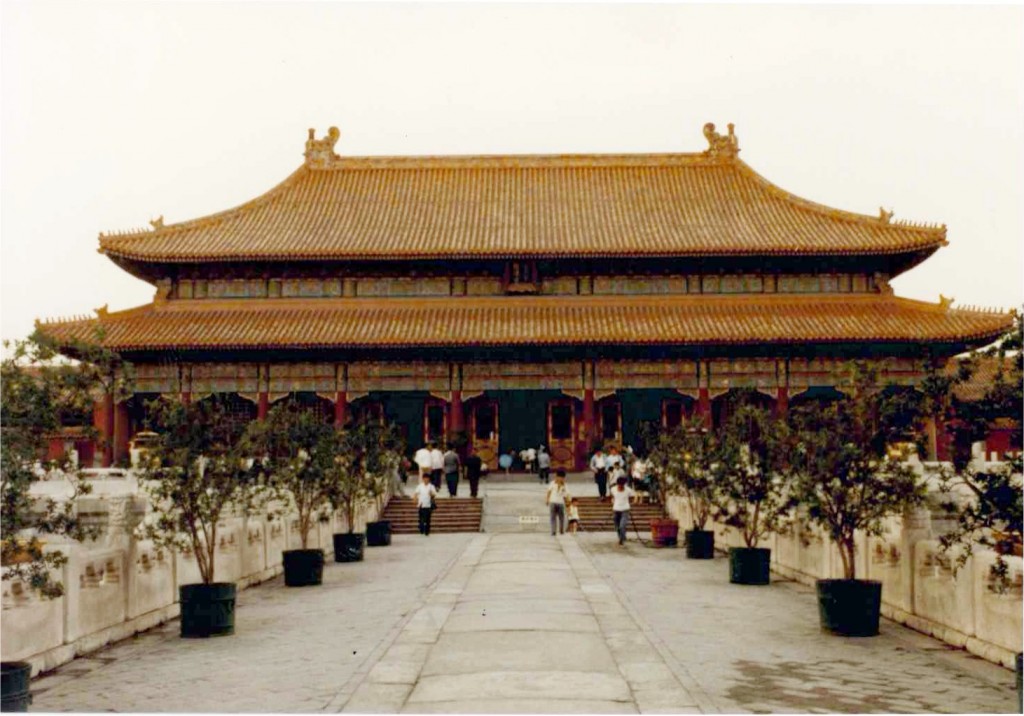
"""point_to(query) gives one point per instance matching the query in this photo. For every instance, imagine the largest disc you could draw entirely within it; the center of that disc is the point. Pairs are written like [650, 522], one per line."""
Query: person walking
[451, 471]
[621, 495]
[422, 460]
[556, 497]
[599, 466]
[543, 465]
[436, 465]
[423, 496]
[474, 466]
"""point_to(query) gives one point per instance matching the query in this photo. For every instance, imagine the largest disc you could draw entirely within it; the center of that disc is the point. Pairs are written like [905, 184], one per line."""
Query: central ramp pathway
[522, 624]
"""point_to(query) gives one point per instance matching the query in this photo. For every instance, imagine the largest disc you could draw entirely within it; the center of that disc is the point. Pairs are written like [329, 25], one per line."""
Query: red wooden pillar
[782, 402]
[943, 440]
[103, 422]
[458, 422]
[262, 406]
[704, 406]
[340, 408]
[186, 397]
[589, 422]
[121, 430]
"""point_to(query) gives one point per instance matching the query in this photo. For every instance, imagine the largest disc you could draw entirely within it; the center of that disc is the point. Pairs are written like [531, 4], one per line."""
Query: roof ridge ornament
[320, 152]
[721, 145]
[885, 216]
[945, 302]
[157, 223]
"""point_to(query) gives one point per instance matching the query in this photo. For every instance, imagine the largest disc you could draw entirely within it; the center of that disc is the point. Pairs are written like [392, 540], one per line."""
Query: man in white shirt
[424, 496]
[422, 460]
[621, 496]
[599, 466]
[436, 465]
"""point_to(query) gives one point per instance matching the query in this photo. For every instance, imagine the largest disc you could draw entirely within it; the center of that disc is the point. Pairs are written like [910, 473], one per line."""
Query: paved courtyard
[528, 623]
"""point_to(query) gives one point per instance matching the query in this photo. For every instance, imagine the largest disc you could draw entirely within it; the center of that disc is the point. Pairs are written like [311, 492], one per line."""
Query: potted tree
[685, 461]
[360, 455]
[849, 479]
[383, 466]
[752, 491]
[298, 454]
[197, 472]
[39, 393]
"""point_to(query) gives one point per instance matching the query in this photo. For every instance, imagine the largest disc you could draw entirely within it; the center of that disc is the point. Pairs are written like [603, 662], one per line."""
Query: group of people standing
[562, 504]
[607, 464]
[432, 463]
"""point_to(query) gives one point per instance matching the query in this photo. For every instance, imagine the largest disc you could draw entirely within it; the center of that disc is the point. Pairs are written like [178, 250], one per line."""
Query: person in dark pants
[473, 465]
[543, 465]
[424, 496]
[599, 465]
[452, 464]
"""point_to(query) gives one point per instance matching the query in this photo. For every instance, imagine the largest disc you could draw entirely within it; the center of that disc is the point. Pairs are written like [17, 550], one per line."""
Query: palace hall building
[527, 300]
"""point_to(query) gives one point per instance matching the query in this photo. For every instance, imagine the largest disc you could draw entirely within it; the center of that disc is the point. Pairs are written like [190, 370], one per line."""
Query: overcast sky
[116, 113]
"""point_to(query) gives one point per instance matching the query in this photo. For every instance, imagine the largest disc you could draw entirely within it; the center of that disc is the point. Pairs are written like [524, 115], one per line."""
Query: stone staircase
[453, 514]
[596, 515]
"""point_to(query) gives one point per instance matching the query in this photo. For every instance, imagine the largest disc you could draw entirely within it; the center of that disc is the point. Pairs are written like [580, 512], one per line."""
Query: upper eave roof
[355, 208]
[238, 324]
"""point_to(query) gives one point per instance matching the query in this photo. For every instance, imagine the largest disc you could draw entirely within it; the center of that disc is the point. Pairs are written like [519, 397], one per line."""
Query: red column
[704, 406]
[103, 422]
[588, 422]
[262, 406]
[943, 441]
[457, 420]
[782, 403]
[186, 397]
[121, 430]
[340, 408]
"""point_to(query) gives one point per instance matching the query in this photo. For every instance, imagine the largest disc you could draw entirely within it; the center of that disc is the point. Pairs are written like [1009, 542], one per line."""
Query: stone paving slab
[524, 706]
[519, 651]
[542, 684]
[523, 621]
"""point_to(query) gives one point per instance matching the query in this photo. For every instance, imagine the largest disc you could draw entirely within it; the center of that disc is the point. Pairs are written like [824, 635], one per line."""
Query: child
[574, 516]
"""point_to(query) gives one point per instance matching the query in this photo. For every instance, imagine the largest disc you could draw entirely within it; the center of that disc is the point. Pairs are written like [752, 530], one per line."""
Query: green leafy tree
[199, 471]
[297, 454]
[365, 454]
[686, 461]
[988, 514]
[40, 394]
[846, 474]
[1001, 404]
[752, 486]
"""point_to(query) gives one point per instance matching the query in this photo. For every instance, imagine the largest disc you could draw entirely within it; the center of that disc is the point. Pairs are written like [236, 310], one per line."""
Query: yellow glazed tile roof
[983, 377]
[697, 204]
[531, 320]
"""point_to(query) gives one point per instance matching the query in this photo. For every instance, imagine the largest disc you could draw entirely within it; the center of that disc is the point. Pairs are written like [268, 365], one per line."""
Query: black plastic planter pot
[207, 609]
[14, 679]
[348, 548]
[700, 544]
[850, 607]
[378, 534]
[749, 565]
[303, 567]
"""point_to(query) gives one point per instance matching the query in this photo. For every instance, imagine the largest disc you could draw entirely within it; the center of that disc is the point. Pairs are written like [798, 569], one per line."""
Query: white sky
[114, 113]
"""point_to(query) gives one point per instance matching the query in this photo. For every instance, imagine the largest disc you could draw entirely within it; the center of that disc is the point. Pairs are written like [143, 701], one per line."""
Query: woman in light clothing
[556, 498]
[621, 495]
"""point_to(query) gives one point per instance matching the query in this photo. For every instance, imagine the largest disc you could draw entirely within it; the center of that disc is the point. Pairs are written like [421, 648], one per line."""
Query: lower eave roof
[530, 321]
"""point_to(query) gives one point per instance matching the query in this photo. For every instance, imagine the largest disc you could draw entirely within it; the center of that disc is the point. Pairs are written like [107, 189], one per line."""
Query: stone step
[453, 514]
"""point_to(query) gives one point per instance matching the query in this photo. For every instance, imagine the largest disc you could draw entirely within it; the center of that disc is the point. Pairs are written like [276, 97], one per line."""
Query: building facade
[522, 300]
